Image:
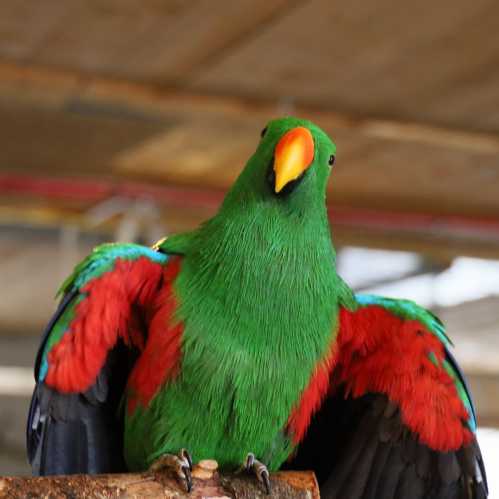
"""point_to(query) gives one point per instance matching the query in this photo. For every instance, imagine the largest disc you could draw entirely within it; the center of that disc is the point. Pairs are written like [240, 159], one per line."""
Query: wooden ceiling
[174, 94]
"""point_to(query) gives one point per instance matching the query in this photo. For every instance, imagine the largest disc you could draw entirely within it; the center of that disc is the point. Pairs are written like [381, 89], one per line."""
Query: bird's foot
[180, 464]
[258, 469]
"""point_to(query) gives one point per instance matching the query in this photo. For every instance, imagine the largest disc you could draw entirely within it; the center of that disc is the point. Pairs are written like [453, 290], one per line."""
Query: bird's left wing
[398, 421]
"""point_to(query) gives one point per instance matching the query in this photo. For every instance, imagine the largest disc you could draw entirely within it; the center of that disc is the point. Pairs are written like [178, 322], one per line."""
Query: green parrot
[239, 342]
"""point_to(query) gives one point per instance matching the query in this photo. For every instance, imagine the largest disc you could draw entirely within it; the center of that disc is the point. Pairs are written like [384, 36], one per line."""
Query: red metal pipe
[94, 191]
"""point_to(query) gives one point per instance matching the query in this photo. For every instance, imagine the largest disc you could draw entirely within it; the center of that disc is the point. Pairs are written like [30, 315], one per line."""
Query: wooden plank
[409, 176]
[81, 137]
[26, 24]
[425, 62]
[429, 62]
[49, 86]
[154, 41]
[37, 85]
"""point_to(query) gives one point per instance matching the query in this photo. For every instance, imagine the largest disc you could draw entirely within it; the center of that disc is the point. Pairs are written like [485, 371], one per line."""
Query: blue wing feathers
[102, 259]
[68, 298]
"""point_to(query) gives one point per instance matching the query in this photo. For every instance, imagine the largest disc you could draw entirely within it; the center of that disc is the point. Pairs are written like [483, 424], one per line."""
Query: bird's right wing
[85, 357]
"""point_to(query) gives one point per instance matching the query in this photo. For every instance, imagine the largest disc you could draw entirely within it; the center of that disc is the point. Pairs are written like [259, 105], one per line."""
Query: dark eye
[263, 132]
[331, 160]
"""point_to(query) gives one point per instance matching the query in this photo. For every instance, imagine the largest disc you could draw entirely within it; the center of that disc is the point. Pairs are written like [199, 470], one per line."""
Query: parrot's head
[277, 200]
[298, 152]
[289, 168]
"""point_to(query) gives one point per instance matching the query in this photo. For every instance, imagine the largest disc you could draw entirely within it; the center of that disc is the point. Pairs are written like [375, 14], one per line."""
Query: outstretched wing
[85, 357]
[398, 421]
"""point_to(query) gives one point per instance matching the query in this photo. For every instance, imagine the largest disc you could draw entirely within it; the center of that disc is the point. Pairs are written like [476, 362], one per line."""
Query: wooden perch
[208, 484]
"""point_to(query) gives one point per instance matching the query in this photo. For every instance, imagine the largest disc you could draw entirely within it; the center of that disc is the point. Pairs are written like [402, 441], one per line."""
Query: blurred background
[128, 120]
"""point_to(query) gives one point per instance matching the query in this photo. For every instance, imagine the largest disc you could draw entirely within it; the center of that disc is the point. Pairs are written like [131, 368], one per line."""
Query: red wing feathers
[101, 318]
[382, 353]
[160, 359]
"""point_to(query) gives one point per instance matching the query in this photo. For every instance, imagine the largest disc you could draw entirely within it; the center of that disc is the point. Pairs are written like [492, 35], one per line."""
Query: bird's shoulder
[103, 258]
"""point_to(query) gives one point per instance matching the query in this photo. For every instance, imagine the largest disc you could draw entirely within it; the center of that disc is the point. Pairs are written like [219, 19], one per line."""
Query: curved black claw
[180, 464]
[259, 470]
[186, 468]
[187, 477]
[266, 481]
[184, 453]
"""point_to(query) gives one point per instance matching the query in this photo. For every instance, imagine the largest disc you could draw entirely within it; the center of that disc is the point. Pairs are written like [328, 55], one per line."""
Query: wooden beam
[290, 485]
[56, 85]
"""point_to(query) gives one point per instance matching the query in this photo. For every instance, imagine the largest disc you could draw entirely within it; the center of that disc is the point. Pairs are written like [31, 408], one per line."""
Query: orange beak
[294, 153]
